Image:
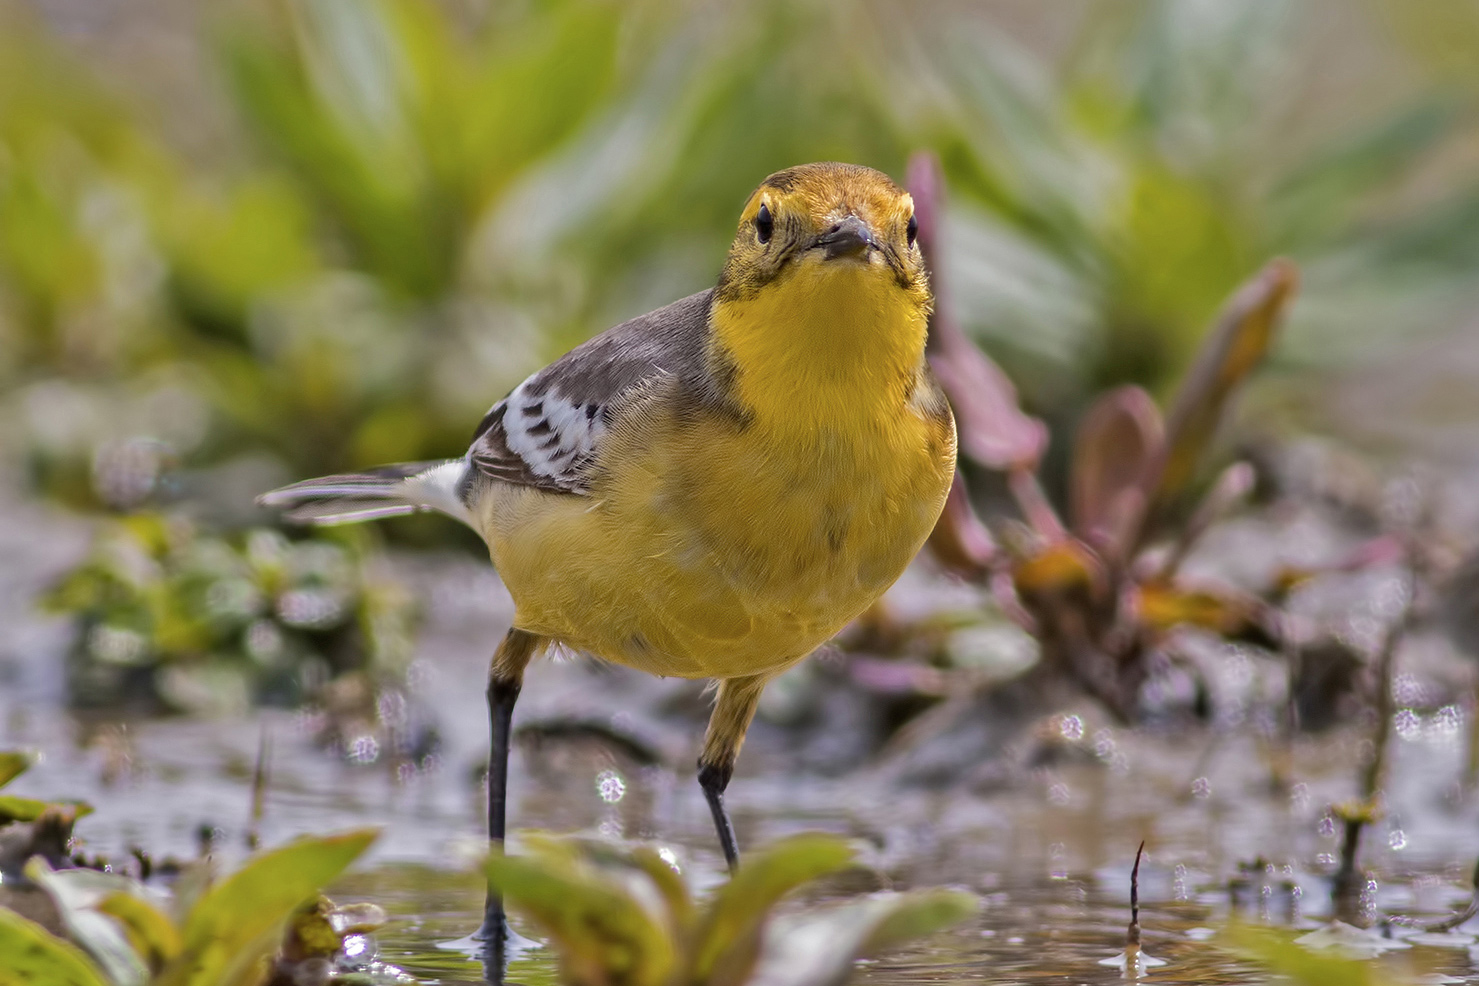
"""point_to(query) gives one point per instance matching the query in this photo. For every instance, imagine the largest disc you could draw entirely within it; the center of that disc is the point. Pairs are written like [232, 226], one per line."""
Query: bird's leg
[726, 734]
[505, 677]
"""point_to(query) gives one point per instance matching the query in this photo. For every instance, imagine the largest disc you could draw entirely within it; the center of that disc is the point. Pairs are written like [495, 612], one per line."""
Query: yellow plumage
[713, 489]
[711, 550]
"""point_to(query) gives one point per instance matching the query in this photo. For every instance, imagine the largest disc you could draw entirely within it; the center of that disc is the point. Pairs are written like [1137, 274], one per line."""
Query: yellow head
[824, 289]
[825, 220]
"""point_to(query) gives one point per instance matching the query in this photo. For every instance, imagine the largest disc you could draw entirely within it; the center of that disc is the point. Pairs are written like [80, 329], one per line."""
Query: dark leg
[726, 734]
[505, 678]
[714, 779]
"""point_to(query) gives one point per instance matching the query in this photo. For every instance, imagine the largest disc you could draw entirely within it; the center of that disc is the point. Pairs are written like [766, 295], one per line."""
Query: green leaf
[605, 935]
[729, 934]
[819, 950]
[17, 809]
[13, 763]
[151, 934]
[32, 956]
[237, 921]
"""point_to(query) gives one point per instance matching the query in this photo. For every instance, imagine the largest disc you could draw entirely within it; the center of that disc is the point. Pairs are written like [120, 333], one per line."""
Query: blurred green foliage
[422, 202]
[14, 808]
[166, 616]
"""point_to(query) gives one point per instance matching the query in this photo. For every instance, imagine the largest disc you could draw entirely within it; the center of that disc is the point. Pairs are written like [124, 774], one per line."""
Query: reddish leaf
[1121, 435]
[960, 542]
[993, 429]
[1242, 337]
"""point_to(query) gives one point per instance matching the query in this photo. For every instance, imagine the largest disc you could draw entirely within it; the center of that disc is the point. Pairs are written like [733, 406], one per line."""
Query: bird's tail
[389, 491]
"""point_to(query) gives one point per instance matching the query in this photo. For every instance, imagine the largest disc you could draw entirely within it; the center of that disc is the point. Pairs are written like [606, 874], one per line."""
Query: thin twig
[1372, 777]
[259, 790]
[1132, 934]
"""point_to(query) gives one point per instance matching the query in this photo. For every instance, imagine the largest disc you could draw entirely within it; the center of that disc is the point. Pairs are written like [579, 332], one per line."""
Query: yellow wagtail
[713, 489]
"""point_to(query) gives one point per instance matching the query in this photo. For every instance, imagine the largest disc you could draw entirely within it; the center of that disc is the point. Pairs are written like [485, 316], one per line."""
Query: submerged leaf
[1277, 951]
[32, 956]
[820, 950]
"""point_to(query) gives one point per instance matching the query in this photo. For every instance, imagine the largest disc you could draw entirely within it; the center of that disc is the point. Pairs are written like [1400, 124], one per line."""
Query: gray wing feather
[547, 432]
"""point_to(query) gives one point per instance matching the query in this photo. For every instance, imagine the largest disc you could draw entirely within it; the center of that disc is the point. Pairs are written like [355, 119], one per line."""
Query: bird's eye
[912, 230]
[764, 224]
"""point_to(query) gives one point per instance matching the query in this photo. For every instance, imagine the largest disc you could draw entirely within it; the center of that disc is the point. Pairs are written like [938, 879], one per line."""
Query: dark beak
[849, 238]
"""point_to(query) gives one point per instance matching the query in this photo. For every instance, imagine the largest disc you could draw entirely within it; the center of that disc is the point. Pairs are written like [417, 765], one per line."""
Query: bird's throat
[834, 342]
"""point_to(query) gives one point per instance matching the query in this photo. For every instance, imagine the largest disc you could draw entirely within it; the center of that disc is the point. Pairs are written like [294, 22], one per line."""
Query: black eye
[912, 231]
[764, 224]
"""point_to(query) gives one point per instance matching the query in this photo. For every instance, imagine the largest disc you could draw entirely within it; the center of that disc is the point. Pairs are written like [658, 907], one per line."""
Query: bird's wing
[548, 431]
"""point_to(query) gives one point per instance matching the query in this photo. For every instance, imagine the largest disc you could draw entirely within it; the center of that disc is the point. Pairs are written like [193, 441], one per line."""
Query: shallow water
[1050, 852]
[1051, 857]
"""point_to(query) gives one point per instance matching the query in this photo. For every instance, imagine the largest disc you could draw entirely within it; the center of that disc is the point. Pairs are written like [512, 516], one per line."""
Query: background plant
[167, 616]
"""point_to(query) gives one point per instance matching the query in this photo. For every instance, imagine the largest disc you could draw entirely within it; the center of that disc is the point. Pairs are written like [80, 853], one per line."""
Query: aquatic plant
[169, 616]
[31, 827]
[222, 933]
[1092, 591]
[624, 916]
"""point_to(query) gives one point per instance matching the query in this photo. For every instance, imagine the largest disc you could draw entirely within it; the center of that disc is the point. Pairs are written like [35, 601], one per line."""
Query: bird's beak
[849, 238]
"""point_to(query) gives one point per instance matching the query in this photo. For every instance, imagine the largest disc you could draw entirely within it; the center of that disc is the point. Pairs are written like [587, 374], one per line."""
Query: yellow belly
[710, 550]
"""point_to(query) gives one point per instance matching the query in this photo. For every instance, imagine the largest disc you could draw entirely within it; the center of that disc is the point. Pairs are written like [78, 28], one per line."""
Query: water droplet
[671, 858]
[1299, 796]
[1397, 839]
[1409, 724]
[610, 786]
[1072, 728]
[264, 641]
[363, 749]
[391, 707]
[1201, 788]
[1408, 690]
[1447, 722]
[1056, 869]
[311, 609]
[1059, 795]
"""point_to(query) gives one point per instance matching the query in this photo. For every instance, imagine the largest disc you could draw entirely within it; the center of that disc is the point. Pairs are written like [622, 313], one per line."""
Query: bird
[715, 488]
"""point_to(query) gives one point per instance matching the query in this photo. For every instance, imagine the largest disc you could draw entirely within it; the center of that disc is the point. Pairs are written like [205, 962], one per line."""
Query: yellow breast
[716, 546]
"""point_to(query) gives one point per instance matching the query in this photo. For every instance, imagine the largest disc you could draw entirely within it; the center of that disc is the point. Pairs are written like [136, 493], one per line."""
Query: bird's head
[820, 223]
